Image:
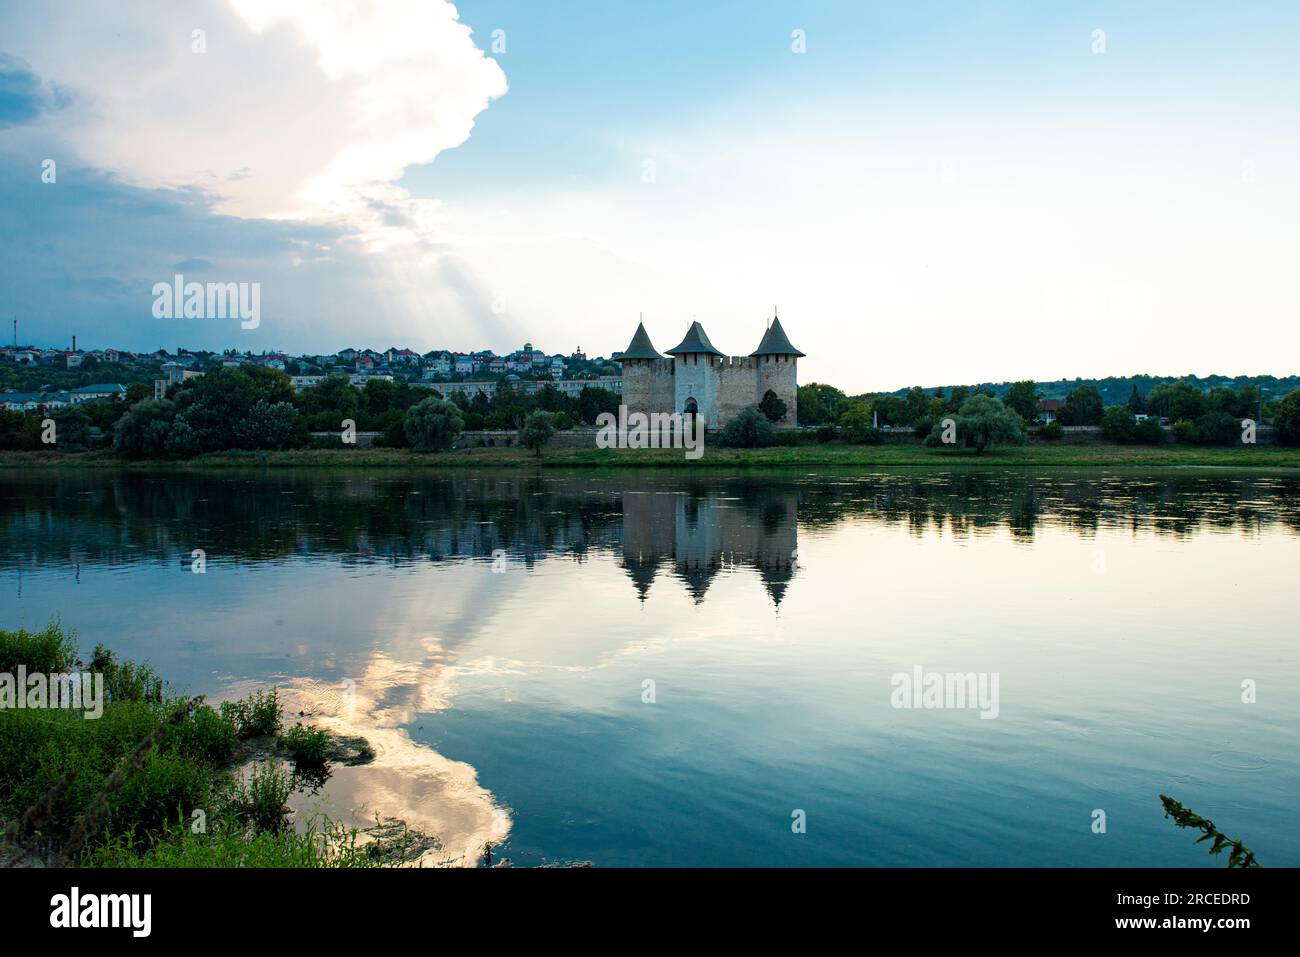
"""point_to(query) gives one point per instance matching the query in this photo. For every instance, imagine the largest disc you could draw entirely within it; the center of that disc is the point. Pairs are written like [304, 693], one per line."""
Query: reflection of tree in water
[967, 503]
[692, 525]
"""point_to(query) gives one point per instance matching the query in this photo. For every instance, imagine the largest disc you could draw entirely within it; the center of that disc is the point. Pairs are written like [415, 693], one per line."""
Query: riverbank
[135, 775]
[1034, 455]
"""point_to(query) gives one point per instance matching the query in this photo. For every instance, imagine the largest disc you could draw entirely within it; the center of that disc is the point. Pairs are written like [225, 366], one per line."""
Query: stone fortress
[699, 380]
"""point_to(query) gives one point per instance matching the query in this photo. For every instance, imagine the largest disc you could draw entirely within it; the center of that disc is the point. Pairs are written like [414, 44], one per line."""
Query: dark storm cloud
[81, 255]
[23, 95]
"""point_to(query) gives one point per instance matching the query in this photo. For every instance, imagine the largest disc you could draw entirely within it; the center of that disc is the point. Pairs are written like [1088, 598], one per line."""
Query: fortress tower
[647, 376]
[777, 360]
[699, 379]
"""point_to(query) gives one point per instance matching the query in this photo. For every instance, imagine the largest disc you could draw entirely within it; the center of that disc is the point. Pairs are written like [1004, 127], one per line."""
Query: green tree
[380, 397]
[1176, 400]
[983, 421]
[71, 430]
[1083, 406]
[1022, 399]
[271, 425]
[915, 405]
[773, 407]
[537, 430]
[1136, 404]
[1118, 423]
[888, 409]
[818, 404]
[1217, 428]
[856, 424]
[142, 432]
[329, 402]
[550, 399]
[1228, 401]
[433, 424]
[1149, 431]
[214, 404]
[956, 396]
[593, 401]
[1249, 404]
[1286, 418]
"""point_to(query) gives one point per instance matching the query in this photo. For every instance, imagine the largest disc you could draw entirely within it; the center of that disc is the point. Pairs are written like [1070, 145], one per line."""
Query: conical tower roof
[775, 342]
[640, 347]
[695, 342]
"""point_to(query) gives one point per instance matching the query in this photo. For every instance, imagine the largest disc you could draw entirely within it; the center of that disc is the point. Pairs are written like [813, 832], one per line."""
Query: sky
[926, 193]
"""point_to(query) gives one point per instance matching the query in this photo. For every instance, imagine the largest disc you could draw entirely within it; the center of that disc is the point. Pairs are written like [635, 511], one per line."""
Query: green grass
[189, 769]
[908, 454]
[323, 844]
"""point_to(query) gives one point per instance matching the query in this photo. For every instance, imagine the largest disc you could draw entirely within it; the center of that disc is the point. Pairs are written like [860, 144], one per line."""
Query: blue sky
[931, 193]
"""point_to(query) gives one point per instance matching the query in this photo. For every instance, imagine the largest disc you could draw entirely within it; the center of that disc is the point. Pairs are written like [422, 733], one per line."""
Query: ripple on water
[1239, 761]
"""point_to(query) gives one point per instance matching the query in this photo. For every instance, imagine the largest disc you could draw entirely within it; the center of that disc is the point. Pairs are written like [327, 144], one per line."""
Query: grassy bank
[158, 779]
[1036, 455]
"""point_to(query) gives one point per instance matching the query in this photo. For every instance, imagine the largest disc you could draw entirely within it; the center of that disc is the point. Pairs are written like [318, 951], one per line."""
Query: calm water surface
[659, 668]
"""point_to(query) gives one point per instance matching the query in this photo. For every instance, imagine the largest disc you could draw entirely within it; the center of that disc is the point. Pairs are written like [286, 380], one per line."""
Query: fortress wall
[662, 386]
[637, 385]
[648, 385]
[695, 377]
[778, 373]
[737, 386]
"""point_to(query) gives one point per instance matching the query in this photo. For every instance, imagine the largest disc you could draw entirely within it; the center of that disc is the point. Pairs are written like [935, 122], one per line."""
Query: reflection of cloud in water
[432, 793]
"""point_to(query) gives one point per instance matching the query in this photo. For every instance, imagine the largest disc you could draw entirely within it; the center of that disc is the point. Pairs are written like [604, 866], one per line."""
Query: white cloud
[296, 109]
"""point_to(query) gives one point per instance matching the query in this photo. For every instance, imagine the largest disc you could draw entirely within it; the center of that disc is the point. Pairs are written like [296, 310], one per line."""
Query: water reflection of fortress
[694, 537]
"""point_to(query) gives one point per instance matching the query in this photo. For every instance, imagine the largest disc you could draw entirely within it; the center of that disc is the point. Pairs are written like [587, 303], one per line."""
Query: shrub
[433, 424]
[748, 430]
[261, 799]
[126, 680]
[204, 736]
[47, 650]
[307, 743]
[1051, 432]
[166, 783]
[254, 716]
[1185, 430]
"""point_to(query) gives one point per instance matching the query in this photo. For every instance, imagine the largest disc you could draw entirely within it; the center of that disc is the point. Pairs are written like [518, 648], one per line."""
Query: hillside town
[455, 373]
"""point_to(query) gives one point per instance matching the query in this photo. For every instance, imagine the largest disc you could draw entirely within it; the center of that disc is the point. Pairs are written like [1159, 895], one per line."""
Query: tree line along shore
[253, 413]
